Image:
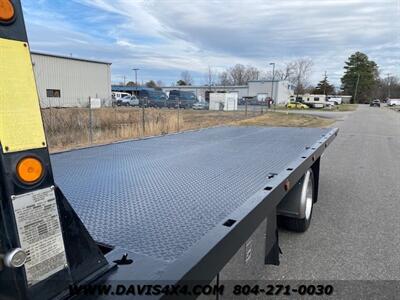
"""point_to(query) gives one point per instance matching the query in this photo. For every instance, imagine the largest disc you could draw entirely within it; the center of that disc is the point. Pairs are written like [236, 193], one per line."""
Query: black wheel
[307, 197]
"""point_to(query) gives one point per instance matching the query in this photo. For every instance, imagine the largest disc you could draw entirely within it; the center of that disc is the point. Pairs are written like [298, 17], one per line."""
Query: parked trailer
[317, 101]
[189, 208]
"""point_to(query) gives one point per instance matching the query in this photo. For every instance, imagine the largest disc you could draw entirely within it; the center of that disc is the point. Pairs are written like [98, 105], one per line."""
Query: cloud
[165, 37]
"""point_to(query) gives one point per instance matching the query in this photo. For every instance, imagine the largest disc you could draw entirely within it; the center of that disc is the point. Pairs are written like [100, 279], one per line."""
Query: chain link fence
[68, 128]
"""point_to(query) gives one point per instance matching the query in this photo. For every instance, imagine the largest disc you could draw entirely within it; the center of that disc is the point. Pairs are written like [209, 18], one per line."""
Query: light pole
[136, 70]
[273, 83]
[355, 92]
[388, 76]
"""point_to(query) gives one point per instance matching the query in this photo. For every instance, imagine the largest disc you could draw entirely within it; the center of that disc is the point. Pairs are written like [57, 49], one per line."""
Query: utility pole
[273, 83]
[355, 92]
[124, 77]
[136, 70]
[388, 75]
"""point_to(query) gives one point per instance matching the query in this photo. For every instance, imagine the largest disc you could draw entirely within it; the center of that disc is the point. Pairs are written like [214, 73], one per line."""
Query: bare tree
[296, 72]
[238, 74]
[210, 76]
[251, 73]
[289, 71]
[187, 78]
[224, 78]
[387, 87]
[160, 83]
[302, 71]
[285, 73]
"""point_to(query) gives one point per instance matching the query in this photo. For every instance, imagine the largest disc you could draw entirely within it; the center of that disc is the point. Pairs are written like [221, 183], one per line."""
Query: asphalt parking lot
[355, 231]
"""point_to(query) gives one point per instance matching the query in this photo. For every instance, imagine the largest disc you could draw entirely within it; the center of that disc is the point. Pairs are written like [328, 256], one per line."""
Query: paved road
[320, 113]
[339, 115]
[355, 232]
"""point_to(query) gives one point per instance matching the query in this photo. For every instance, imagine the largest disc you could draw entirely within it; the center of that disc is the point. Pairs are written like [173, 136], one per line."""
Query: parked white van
[393, 102]
[119, 95]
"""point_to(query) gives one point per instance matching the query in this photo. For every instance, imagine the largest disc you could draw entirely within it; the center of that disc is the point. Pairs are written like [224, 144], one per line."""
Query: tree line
[361, 79]
[296, 72]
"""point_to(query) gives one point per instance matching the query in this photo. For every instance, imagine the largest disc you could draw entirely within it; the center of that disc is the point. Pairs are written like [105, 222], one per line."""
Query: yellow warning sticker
[21, 126]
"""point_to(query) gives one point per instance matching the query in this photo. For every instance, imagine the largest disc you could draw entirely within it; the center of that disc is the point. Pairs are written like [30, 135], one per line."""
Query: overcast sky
[165, 37]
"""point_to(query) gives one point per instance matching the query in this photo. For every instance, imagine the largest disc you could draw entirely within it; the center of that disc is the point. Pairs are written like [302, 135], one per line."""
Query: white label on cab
[39, 232]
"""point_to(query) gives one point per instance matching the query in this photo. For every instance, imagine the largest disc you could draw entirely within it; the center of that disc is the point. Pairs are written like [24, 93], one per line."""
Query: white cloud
[164, 37]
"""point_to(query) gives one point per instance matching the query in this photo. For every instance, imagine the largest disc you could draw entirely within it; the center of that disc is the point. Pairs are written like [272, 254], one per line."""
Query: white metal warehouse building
[282, 90]
[279, 90]
[64, 81]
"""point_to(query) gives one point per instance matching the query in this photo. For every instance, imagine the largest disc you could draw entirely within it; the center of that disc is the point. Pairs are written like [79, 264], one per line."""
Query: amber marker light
[6, 11]
[29, 170]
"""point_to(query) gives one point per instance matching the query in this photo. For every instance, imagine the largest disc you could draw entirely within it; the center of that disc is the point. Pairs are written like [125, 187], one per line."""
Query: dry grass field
[68, 128]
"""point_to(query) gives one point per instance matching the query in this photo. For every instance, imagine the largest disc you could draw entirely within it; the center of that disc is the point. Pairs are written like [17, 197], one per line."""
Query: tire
[301, 225]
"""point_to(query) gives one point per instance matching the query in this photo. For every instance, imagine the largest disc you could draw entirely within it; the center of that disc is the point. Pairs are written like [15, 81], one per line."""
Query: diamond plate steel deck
[159, 196]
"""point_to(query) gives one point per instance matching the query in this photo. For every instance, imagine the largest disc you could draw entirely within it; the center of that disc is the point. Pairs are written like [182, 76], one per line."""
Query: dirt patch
[278, 119]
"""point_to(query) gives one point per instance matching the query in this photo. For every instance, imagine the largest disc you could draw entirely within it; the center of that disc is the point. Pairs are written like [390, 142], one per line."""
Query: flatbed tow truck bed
[189, 208]
[171, 200]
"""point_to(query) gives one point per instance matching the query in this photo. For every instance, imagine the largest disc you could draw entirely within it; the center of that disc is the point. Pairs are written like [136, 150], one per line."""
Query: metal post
[245, 106]
[51, 118]
[90, 121]
[356, 90]
[272, 88]
[136, 94]
[115, 122]
[143, 117]
[178, 113]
